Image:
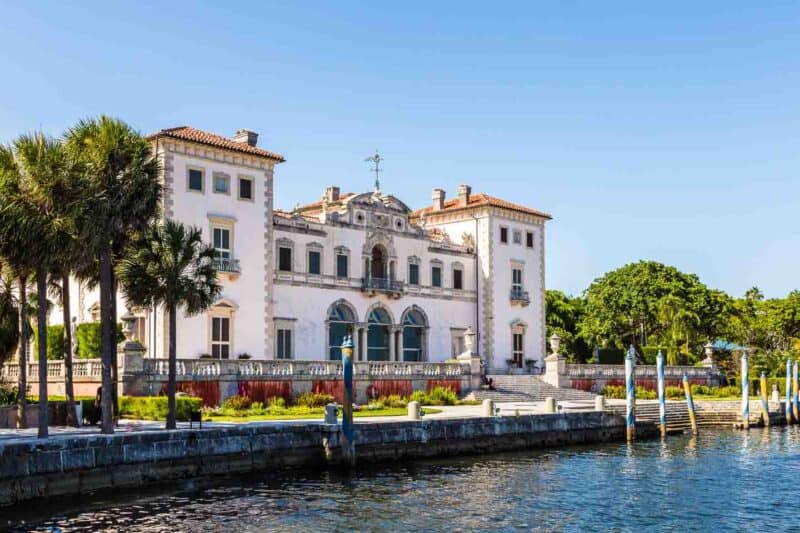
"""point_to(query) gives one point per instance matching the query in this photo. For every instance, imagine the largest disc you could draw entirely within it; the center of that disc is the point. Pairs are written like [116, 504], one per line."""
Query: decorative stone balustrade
[642, 371]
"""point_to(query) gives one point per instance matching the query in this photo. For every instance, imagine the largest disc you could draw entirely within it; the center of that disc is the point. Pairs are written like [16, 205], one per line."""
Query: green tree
[122, 194]
[170, 265]
[9, 327]
[678, 323]
[563, 314]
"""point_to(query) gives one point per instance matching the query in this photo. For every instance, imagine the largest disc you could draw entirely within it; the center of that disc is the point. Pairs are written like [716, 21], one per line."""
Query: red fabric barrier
[377, 389]
[452, 384]
[262, 391]
[208, 391]
[333, 387]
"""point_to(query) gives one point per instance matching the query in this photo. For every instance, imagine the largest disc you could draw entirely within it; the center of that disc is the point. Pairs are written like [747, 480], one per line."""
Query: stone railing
[81, 368]
[608, 372]
[204, 368]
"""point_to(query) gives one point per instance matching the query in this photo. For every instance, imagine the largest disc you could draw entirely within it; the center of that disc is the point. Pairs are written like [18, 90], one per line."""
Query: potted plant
[245, 355]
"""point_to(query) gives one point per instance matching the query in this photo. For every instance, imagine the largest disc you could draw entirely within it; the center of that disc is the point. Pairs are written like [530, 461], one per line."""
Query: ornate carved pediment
[379, 237]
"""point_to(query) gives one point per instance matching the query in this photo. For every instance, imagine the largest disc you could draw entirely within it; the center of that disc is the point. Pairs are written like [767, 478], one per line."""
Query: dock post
[662, 396]
[687, 390]
[788, 407]
[630, 393]
[348, 432]
[795, 393]
[745, 391]
[764, 402]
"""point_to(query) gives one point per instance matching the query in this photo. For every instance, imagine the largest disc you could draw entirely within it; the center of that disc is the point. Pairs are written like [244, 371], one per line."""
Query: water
[721, 481]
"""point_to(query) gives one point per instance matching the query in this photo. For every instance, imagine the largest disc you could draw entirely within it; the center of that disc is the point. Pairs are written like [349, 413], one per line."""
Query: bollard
[549, 405]
[348, 432]
[788, 405]
[413, 410]
[662, 396]
[795, 392]
[687, 390]
[630, 393]
[776, 394]
[488, 407]
[764, 403]
[331, 412]
[745, 391]
[600, 403]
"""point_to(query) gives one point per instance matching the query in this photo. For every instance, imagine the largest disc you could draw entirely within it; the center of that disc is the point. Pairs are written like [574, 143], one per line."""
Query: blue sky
[667, 132]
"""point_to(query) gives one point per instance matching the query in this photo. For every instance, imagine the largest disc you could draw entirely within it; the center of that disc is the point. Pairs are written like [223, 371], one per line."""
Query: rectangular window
[504, 235]
[222, 243]
[284, 344]
[529, 239]
[222, 183]
[436, 276]
[516, 279]
[518, 350]
[314, 260]
[517, 237]
[284, 259]
[413, 274]
[195, 180]
[220, 337]
[245, 189]
[341, 266]
[458, 279]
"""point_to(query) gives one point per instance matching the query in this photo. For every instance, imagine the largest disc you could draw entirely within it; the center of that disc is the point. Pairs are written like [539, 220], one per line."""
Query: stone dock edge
[31, 469]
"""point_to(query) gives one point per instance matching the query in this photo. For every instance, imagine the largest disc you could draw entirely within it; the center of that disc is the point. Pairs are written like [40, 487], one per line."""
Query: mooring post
[795, 393]
[687, 390]
[348, 433]
[788, 407]
[764, 402]
[662, 396]
[745, 391]
[630, 393]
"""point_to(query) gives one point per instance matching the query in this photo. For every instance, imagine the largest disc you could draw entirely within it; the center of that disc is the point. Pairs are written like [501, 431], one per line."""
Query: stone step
[527, 388]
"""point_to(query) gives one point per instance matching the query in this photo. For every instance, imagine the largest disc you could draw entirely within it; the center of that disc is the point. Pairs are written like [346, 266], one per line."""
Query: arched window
[379, 270]
[341, 318]
[414, 325]
[378, 335]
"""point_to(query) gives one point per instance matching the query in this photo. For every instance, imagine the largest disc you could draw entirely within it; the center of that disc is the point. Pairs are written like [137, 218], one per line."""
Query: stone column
[398, 332]
[392, 351]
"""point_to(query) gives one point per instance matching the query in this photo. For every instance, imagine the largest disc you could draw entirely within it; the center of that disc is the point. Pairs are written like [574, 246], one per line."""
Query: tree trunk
[173, 363]
[69, 390]
[22, 383]
[107, 351]
[114, 358]
[41, 325]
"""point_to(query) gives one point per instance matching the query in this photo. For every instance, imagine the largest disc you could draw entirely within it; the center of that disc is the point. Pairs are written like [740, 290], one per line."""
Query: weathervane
[376, 160]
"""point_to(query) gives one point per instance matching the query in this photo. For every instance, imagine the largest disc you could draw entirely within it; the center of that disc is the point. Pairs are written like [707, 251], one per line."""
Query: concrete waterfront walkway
[447, 412]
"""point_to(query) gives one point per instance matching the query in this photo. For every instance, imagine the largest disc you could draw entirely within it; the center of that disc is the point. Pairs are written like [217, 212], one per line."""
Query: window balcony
[227, 265]
[382, 285]
[519, 297]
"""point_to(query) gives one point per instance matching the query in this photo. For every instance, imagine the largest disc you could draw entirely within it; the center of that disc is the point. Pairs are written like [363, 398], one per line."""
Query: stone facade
[407, 284]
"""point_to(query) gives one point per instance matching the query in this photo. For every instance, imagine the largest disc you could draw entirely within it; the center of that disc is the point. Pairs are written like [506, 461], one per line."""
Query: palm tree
[9, 328]
[41, 213]
[122, 194]
[678, 321]
[170, 265]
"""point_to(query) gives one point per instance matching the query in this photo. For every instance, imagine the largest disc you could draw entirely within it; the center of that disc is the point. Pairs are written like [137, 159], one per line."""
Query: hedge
[155, 407]
[755, 384]
[88, 335]
[55, 342]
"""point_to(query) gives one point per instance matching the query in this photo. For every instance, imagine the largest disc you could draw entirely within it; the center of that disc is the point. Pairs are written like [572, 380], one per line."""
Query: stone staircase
[709, 413]
[527, 388]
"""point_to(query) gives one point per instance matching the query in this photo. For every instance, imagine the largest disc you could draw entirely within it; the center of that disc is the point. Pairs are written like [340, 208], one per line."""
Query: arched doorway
[378, 262]
[414, 327]
[341, 318]
[378, 335]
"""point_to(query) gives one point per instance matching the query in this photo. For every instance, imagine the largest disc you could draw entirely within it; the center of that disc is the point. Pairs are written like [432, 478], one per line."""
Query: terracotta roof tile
[187, 133]
[479, 200]
[317, 206]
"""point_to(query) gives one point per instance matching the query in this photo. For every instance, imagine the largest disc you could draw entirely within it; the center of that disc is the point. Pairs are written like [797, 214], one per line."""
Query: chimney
[246, 137]
[438, 199]
[463, 194]
[331, 194]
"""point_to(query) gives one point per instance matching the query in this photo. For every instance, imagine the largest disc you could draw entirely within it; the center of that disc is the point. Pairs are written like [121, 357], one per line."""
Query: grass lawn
[399, 411]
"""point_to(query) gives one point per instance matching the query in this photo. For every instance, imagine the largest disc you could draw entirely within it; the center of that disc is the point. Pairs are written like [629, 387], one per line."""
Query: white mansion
[407, 284]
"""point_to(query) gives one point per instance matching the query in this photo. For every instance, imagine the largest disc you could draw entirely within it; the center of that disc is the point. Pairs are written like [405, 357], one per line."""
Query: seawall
[73, 465]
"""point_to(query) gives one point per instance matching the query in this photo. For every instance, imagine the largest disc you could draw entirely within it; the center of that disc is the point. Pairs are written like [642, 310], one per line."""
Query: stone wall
[71, 465]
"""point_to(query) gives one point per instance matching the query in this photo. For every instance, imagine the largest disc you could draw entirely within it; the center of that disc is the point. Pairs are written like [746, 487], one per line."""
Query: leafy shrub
[277, 402]
[88, 337]
[237, 403]
[441, 396]
[394, 401]
[314, 399]
[55, 342]
[674, 393]
[618, 392]
[8, 395]
[418, 396]
[155, 407]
